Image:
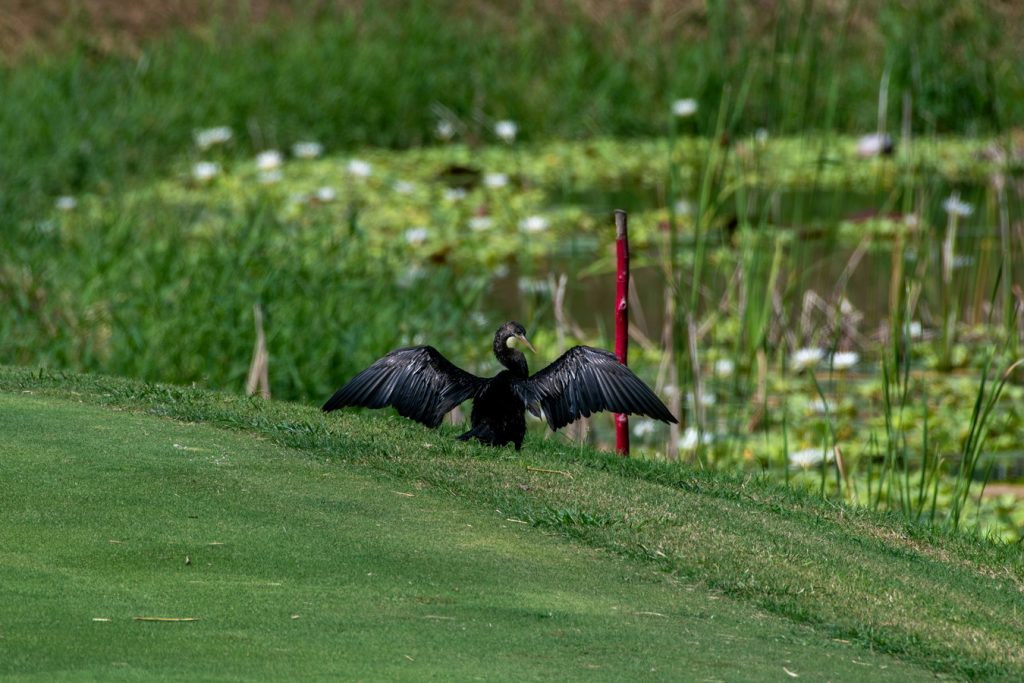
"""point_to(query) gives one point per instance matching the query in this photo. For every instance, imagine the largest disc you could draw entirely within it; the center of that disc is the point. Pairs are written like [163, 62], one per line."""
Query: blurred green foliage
[76, 120]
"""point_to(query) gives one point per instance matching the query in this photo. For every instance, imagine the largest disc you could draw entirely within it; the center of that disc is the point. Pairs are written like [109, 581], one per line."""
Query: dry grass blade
[259, 368]
[544, 471]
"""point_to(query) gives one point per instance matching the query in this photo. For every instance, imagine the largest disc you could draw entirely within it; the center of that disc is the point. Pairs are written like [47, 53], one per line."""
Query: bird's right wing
[418, 381]
[583, 381]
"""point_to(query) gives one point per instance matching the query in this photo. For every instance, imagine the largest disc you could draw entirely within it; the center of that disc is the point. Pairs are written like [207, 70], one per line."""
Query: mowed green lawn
[296, 566]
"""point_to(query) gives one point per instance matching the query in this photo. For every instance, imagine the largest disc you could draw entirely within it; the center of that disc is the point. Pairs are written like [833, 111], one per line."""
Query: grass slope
[300, 567]
[754, 577]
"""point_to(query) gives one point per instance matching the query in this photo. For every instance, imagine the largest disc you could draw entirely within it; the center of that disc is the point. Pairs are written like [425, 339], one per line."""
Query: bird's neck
[513, 359]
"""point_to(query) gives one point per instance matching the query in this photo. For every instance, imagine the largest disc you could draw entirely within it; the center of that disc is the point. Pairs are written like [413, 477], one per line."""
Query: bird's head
[508, 336]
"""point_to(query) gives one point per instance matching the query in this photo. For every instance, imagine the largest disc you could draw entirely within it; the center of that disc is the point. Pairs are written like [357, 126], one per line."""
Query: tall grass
[149, 291]
[922, 473]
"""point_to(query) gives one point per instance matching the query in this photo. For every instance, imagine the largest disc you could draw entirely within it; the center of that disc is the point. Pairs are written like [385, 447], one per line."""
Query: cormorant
[424, 385]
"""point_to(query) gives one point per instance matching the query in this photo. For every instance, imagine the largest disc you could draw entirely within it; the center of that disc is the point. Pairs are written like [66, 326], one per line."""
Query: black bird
[424, 385]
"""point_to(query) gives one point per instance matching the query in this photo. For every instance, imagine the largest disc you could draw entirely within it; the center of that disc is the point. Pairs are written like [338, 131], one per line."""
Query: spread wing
[586, 380]
[418, 381]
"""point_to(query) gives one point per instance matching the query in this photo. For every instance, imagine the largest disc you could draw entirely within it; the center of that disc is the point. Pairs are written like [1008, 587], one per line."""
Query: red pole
[621, 319]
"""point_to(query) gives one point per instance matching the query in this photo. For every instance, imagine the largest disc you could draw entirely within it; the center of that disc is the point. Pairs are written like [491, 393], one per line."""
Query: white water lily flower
[810, 457]
[806, 358]
[496, 180]
[844, 360]
[444, 130]
[691, 438]
[271, 176]
[208, 137]
[684, 107]
[269, 160]
[404, 187]
[66, 203]
[821, 407]
[205, 171]
[506, 130]
[915, 329]
[643, 427]
[480, 223]
[307, 149]
[534, 224]
[683, 207]
[955, 207]
[724, 367]
[706, 398]
[326, 194]
[360, 168]
[875, 144]
[417, 235]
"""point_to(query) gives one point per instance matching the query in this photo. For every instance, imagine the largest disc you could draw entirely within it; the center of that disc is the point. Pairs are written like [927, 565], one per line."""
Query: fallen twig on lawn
[538, 469]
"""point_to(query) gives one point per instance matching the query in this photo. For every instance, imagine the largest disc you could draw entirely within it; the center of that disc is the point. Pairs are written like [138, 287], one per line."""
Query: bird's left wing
[418, 381]
[586, 380]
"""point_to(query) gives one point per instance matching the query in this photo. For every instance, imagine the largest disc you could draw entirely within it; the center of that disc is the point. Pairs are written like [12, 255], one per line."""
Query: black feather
[418, 381]
[585, 380]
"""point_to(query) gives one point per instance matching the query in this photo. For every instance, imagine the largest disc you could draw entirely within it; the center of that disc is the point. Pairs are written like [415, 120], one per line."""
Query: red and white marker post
[621, 319]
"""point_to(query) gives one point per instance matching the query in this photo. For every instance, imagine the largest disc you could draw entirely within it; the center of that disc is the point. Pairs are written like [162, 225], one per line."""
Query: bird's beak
[522, 338]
